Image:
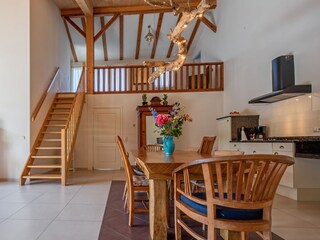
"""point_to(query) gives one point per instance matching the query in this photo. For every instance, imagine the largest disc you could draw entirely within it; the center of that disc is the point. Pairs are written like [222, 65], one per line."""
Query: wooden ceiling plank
[156, 38]
[104, 41]
[73, 24]
[171, 43]
[139, 36]
[121, 36]
[209, 24]
[75, 58]
[105, 27]
[193, 34]
[125, 10]
[83, 22]
[86, 6]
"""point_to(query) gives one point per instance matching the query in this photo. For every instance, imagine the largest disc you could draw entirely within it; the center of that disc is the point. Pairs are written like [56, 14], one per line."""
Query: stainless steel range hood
[283, 83]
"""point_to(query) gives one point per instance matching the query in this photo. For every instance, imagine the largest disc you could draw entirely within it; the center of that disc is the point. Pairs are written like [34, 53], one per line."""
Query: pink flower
[162, 119]
[188, 118]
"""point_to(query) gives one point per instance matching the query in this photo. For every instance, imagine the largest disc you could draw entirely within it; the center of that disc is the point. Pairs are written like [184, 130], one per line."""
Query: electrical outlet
[316, 129]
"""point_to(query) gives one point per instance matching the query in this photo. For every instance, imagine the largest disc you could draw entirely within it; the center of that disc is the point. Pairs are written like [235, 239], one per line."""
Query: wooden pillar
[90, 53]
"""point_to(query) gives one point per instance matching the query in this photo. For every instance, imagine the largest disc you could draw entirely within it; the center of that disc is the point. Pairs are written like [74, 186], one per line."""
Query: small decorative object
[170, 125]
[144, 99]
[243, 135]
[234, 112]
[155, 101]
[149, 37]
[164, 99]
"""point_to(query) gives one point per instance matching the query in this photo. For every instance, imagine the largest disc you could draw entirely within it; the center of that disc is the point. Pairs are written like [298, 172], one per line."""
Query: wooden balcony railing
[192, 77]
[69, 133]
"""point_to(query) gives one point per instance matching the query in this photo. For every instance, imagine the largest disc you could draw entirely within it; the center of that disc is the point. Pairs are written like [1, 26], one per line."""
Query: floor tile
[71, 230]
[20, 197]
[283, 219]
[90, 197]
[55, 197]
[7, 209]
[39, 211]
[82, 212]
[298, 233]
[22, 229]
[310, 214]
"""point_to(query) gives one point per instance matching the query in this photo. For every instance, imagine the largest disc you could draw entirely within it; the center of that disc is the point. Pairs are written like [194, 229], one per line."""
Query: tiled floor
[50, 211]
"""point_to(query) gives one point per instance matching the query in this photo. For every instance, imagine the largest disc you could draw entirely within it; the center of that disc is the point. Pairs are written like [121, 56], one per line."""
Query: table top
[157, 165]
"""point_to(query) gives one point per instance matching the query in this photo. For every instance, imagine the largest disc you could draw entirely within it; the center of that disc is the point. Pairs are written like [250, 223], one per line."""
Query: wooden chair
[153, 147]
[134, 183]
[207, 145]
[242, 203]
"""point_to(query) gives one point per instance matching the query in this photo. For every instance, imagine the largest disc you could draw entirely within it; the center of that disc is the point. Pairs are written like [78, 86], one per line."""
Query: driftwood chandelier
[187, 16]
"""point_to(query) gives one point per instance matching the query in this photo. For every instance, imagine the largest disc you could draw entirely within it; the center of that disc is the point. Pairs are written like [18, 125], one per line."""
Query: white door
[106, 127]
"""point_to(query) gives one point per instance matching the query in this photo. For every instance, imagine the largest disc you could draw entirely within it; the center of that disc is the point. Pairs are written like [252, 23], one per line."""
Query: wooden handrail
[44, 95]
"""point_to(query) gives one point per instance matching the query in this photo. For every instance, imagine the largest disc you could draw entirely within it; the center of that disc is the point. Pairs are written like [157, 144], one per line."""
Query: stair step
[57, 119]
[50, 140]
[60, 107]
[48, 148]
[63, 102]
[51, 132]
[46, 156]
[40, 176]
[45, 166]
[55, 125]
[59, 113]
[65, 97]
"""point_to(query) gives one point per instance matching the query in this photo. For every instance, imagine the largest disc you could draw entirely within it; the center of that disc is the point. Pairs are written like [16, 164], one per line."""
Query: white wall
[250, 34]
[49, 49]
[204, 108]
[14, 93]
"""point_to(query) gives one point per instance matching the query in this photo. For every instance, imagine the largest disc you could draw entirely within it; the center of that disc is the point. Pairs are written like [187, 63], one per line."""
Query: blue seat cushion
[224, 212]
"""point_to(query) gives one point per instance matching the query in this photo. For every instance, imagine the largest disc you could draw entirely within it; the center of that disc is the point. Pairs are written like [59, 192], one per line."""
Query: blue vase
[168, 145]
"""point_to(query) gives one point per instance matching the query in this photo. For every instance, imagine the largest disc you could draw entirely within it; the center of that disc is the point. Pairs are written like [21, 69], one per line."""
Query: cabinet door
[224, 133]
[257, 148]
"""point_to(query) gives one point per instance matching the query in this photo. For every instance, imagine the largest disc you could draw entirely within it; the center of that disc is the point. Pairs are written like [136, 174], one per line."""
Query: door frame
[90, 142]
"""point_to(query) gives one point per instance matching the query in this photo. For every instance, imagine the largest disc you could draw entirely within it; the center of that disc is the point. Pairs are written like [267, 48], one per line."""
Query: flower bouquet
[170, 125]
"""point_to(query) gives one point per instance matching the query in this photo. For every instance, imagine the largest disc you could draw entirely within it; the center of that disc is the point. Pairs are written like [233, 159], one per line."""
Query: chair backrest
[243, 181]
[153, 147]
[127, 165]
[207, 145]
[228, 153]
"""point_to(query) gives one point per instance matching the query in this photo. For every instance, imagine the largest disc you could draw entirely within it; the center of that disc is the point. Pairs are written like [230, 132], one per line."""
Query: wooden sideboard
[143, 112]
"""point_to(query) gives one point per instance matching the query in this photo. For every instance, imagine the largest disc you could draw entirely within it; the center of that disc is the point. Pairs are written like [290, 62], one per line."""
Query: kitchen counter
[284, 139]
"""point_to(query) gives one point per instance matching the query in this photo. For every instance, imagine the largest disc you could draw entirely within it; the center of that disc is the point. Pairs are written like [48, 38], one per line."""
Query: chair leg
[125, 201]
[130, 195]
[211, 232]
[177, 227]
[267, 235]
[124, 192]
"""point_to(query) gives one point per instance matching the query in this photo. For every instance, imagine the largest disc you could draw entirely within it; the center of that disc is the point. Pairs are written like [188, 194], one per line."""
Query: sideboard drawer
[283, 146]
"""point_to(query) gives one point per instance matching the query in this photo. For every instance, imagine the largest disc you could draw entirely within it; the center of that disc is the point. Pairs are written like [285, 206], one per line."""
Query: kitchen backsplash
[293, 117]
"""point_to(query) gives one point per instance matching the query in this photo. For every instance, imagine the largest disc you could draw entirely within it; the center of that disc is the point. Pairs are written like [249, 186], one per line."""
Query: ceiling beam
[209, 24]
[75, 58]
[73, 24]
[121, 36]
[86, 6]
[171, 42]
[155, 42]
[125, 10]
[139, 36]
[193, 34]
[105, 27]
[104, 41]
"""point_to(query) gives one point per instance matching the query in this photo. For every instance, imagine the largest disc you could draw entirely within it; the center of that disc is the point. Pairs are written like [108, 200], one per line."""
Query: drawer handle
[254, 151]
[281, 147]
[234, 145]
[276, 153]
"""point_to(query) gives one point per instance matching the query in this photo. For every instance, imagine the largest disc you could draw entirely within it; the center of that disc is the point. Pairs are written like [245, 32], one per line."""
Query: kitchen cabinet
[228, 128]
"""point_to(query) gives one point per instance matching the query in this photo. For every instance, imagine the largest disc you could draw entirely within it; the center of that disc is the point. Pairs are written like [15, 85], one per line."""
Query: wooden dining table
[158, 168]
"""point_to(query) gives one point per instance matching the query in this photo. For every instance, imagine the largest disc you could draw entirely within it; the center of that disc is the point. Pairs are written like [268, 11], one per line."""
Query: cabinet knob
[276, 153]
[254, 151]
[234, 145]
[281, 147]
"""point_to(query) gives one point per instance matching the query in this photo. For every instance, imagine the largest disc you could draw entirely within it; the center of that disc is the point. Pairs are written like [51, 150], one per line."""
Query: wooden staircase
[46, 157]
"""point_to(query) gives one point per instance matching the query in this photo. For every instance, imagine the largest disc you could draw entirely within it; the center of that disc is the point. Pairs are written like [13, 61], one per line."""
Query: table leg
[231, 235]
[158, 209]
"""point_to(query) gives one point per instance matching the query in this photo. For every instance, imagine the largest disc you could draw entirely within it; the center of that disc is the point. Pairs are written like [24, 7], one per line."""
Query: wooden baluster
[104, 80]
[148, 72]
[130, 79]
[136, 78]
[192, 78]
[199, 77]
[125, 79]
[216, 77]
[170, 80]
[221, 87]
[176, 80]
[204, 67]
[109, 80]
[210, 76]
[186, 77]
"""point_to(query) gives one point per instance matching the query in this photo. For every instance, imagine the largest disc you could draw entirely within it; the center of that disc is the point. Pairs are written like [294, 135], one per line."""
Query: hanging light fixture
[149, 37]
